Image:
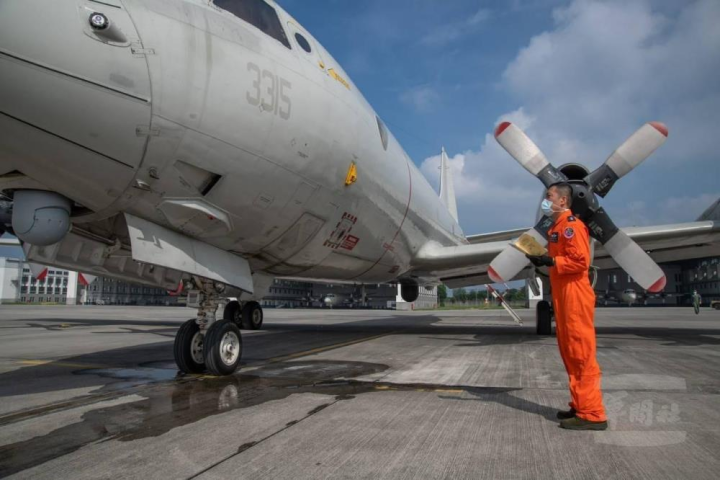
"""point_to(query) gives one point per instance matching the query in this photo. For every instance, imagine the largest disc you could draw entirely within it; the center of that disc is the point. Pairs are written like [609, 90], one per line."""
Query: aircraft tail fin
[447, 188]
[712, 212]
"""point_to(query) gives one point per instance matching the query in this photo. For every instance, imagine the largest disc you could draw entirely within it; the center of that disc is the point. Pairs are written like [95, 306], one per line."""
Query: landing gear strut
[204, 343]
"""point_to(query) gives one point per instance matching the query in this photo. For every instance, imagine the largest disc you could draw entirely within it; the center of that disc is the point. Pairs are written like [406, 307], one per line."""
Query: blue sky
[579, 76]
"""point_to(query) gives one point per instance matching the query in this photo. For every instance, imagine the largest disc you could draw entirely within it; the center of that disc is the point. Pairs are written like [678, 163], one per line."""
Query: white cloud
[669, 210]
[478, 17]
[422, 98]
[451, 32]
[492, 190]
[605, 68]
[608, 67]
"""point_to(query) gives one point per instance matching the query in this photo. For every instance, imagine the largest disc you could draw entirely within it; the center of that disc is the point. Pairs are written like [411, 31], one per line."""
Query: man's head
[560, 195]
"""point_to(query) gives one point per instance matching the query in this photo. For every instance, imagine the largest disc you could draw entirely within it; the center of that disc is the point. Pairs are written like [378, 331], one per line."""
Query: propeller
[626, 253]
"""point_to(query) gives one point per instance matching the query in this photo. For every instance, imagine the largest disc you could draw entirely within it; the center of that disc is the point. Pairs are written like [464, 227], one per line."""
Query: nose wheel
[188, 348]
[205, 344]
[247, 316]
[222, 348]
[252, 316]
[218, 351]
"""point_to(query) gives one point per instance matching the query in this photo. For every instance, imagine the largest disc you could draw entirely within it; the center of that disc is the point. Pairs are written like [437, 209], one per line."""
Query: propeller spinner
[628, 254]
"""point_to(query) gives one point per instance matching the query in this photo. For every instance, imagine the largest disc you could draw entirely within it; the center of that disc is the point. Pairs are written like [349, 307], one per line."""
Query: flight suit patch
[569, 232]
[554, 237]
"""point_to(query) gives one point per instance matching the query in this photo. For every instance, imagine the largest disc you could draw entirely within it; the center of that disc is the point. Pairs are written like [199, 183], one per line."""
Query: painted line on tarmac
[401, 387]
[326, 348]
[54, 363]
[14, 417]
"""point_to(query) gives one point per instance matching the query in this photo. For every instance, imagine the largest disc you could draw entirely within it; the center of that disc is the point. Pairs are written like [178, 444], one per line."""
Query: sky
[579, 76]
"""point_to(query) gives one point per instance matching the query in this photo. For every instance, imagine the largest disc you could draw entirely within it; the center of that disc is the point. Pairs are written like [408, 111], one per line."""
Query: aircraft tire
[233, 313]
[543, 315]
[222, 348]
[252, 316]
[187, 341]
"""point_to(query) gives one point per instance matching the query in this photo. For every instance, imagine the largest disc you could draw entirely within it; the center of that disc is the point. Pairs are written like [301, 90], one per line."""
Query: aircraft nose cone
[72, 87]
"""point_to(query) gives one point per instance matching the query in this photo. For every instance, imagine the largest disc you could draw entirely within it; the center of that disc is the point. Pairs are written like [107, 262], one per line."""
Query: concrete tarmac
[93, 392]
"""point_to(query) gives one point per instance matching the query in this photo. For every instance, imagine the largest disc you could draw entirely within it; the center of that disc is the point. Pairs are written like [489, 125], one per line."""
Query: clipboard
[529, 246]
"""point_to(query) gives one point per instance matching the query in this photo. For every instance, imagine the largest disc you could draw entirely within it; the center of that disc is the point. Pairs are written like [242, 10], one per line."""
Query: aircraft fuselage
[195, 119]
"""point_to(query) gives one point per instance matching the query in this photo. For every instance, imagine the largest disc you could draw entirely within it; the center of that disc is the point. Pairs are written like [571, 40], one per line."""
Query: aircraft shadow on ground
[287, 339]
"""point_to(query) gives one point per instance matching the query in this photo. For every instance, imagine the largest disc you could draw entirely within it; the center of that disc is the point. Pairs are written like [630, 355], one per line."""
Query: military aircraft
[210, 146]
[621, 297]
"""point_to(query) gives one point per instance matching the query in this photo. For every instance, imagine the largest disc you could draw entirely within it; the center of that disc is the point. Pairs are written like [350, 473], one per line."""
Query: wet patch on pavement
[172, 400]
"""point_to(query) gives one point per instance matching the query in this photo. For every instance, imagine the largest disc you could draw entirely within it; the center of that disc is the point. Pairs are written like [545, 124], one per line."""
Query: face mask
[547, 208]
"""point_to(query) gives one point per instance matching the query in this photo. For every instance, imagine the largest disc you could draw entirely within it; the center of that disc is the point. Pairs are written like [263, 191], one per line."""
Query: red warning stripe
[501, 128]
[660, 127]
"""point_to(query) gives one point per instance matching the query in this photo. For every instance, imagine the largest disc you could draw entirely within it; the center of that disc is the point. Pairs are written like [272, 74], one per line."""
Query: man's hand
[541, 260]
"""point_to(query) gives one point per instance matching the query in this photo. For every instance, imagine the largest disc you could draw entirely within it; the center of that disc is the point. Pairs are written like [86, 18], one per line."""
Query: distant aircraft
[627, 297]
[340, 300]
[212, 146]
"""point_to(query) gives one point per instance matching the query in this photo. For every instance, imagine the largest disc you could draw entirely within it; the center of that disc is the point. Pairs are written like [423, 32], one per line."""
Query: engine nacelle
[40, 218]
[409, 292]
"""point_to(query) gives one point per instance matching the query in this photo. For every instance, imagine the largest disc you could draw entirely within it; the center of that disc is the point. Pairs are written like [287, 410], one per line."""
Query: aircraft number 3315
[269, 92]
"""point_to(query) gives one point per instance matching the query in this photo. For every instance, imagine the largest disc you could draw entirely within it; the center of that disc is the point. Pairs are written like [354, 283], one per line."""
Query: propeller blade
[511, 261]
[527, 154]
[629, 155]
[626, 253]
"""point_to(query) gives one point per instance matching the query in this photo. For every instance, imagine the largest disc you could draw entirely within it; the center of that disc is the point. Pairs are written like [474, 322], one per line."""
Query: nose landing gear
[204, 344]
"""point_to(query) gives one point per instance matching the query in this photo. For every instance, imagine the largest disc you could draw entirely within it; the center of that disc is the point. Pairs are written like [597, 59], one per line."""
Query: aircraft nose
[74, 91]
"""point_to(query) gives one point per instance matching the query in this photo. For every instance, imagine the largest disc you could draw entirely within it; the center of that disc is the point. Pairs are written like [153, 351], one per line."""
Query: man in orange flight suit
[574, 304]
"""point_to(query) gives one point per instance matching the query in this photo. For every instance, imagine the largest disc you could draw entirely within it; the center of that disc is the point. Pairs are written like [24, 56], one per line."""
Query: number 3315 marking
[269, 92]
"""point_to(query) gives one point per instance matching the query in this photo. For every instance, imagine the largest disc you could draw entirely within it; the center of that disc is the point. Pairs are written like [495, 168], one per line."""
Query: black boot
[565, 414]
[577, 423]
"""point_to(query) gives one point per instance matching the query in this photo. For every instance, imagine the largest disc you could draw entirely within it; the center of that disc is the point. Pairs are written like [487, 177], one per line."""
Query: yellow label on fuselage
[351, 176]
[337, 77]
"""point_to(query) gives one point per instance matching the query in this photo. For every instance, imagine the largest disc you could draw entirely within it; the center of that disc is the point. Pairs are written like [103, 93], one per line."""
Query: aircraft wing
[669, 243]
[460, 265]
[467, 265]
[496, 236]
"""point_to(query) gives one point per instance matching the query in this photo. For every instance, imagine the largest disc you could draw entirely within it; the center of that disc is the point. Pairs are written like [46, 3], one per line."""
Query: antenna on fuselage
[447, 188]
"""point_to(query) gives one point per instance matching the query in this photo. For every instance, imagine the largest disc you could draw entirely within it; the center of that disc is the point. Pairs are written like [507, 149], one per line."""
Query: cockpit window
[302, 41]
[259, 14]
[383, 133]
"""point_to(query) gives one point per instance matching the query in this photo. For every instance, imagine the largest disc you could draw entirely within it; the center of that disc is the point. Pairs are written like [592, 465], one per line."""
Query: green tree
[442, 294]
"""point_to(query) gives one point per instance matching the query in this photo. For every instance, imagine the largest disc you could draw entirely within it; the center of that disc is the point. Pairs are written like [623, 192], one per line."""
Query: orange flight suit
[574, 305]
